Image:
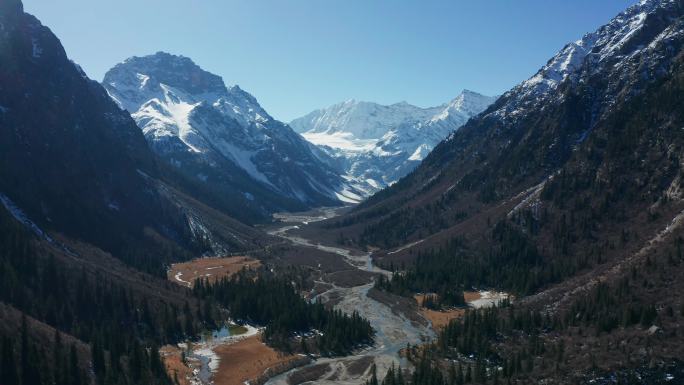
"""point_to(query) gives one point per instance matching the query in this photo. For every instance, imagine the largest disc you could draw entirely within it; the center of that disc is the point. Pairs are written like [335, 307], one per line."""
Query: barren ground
[438, 318]
[247, 360]
[174, 365]
[475, 299]
[212, 268]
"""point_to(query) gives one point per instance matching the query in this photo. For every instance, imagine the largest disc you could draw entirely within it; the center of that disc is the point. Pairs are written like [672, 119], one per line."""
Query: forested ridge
[588, 237]
[122, 323]
[588, 213]
[634, 319]
[272, 301]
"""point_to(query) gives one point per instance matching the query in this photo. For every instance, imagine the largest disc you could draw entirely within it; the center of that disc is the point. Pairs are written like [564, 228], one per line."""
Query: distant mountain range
[221, 139]
[375, 144]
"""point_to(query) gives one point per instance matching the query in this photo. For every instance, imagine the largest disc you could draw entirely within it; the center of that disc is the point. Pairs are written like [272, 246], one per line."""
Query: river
[392, 331]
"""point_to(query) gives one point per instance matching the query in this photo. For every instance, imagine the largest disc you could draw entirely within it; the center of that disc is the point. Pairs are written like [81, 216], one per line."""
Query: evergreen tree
[8, 366]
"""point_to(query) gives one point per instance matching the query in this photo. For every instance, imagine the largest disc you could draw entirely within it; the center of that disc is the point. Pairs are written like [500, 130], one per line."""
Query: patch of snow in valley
[178, 278]
[348, 196]
[204, 351]
[488, 299]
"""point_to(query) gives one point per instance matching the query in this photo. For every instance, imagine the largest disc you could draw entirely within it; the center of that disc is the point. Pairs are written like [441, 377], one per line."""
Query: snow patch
[489, 299]
[206, 348]
[178, 278]
[420, 153]
[341, 140]
[348, 196]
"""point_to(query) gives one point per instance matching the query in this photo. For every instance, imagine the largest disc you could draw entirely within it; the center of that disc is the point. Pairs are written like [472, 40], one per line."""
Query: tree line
[122, 325]
[263, 298]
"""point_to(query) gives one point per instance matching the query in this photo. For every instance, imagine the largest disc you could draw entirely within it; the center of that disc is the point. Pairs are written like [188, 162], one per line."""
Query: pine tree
[58, 358]
[99, 365]
[374, 376]
[8, 367]
[74, 368]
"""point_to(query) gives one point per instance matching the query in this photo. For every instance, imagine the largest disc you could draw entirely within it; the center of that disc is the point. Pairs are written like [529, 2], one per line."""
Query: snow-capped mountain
[221, 137]
[632, 49]
[75, 164]
[378, 144]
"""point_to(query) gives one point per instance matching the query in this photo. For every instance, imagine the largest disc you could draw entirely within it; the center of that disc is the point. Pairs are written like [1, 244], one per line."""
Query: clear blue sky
[298, 55]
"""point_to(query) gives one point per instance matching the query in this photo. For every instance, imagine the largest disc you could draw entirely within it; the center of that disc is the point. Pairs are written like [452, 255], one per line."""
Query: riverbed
[392, 330]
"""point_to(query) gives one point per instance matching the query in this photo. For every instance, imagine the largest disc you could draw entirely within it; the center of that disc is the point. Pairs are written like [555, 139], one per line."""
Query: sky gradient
[295, 56]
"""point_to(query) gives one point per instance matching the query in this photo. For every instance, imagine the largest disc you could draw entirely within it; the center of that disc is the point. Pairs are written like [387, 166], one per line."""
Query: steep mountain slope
[530, 133]
[74, 163]
[73, 314]
[77, 177]
[377, 144]
[221, 138]
[566, 192]
[606, 252]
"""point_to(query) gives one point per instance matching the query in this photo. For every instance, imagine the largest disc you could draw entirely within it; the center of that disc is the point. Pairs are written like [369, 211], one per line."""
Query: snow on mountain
[602, 113]
[376, 144]
[190, 117]
[614, 51]
[364, 120]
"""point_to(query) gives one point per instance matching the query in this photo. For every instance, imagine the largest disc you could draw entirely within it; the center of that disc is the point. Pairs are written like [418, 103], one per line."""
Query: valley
[397, 322]
[159, 226]
[393, 330]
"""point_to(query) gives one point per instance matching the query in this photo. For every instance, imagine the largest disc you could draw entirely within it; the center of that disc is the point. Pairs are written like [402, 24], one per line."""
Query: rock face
[220, 137]
[72, 161]
[69, 154]
[375, 144]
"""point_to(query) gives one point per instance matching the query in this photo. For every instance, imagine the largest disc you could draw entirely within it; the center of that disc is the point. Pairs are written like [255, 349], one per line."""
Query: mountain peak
[195, 123]
[623, 37]
[382, 143]
[467, 92]
[176, 71]
[468, 103]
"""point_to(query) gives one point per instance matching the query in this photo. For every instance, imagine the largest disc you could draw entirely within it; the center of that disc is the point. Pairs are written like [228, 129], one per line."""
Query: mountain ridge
[506, 160]
[75, 164]
[566, 192]
[221, 137]
[378, 144]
